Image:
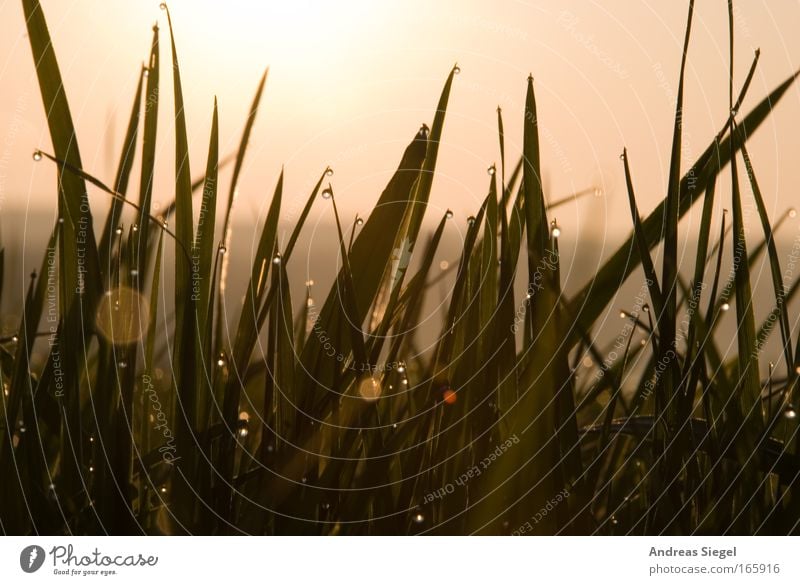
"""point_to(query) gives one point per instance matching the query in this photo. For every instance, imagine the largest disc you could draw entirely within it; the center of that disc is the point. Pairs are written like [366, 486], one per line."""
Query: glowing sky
[350, 83]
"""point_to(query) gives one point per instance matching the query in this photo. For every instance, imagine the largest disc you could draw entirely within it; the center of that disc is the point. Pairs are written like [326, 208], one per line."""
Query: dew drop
[146, 72]
[401, 367]
[327, 193]
[163, 489]
[448, 214]
[622, 314]
[221, 360]
[456, 69]
[37, 155]
[243, 432]
[135, 227]
[419, 518]
[163, 6]
[14, 339]
[369, 388]
[309, 283]
[598, 192]
[123, 364]
[789, 412]
[118, 231]
[329, 172]
[646, 308]
[725, 307]
[244, 415]
[792, 213]
[134, 272]
[359, 221]
[60, 220]
[444, 265]
[554, 229]
[277, 259]
[222, 250]
[326, 506]
[470, 220]
[424, 130]
[491, 170]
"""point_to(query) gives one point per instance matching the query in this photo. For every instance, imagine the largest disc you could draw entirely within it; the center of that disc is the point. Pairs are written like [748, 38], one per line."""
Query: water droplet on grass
[369, 388]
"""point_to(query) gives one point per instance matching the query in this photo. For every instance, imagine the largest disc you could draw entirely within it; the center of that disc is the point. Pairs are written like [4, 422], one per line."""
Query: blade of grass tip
[750, 388]
[287, 253]
[774, 262]
[532, 182]
[639, 239]
[414, 211]
[592, 300]
[79, 283]
[372, 251]
[149, 133]
[202, 263]
[183, 357]
[667, 319]
[122, 176]
[351, 308]
[422, 190]
[237, 168]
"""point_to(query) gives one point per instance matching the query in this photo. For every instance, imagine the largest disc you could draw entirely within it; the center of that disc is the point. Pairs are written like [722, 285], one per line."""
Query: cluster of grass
[271, 426]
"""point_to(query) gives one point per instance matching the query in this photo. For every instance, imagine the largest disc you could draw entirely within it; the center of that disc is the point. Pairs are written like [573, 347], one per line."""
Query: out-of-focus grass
[495, 434]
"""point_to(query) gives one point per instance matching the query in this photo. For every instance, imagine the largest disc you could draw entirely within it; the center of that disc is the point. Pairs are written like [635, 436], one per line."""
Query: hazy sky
[350, 83]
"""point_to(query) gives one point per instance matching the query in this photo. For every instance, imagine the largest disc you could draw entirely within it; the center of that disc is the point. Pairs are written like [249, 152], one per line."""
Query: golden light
[122, 316]
[370, 388]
